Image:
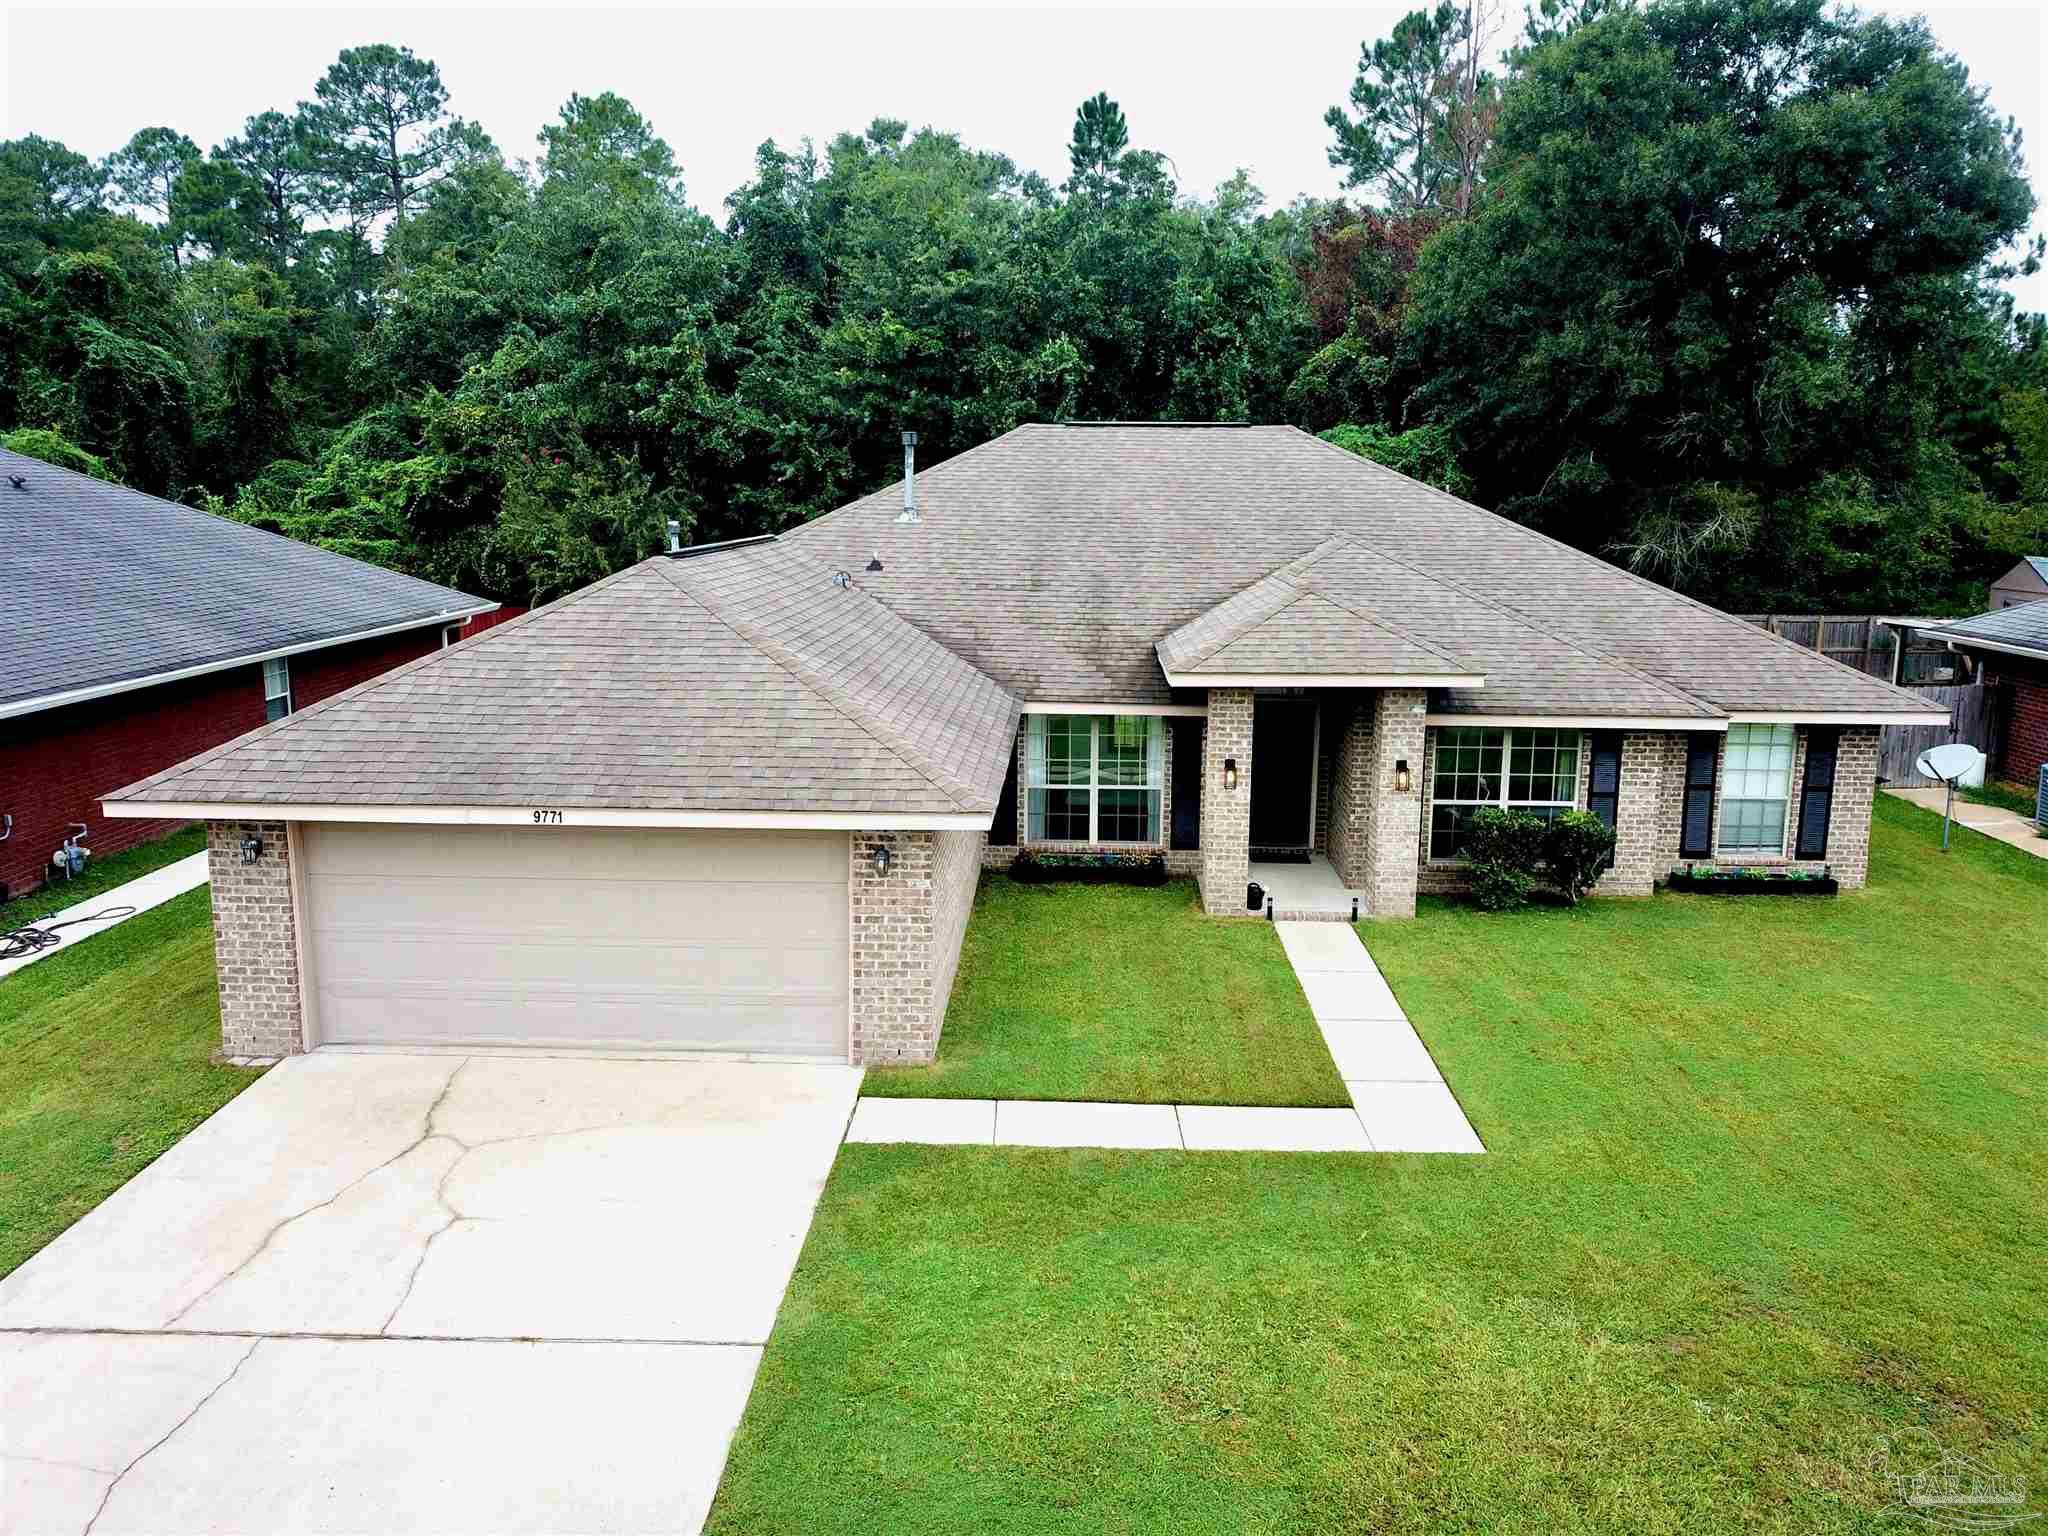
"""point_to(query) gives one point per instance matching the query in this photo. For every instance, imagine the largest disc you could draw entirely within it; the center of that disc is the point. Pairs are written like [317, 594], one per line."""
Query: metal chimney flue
[909, 512]
[675, 536]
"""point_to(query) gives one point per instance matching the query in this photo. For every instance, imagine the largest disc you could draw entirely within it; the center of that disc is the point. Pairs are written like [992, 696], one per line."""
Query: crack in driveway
[427, 1133]
[155, 1445]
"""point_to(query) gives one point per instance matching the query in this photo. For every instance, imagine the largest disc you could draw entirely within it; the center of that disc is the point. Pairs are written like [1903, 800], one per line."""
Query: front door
[1283, 777]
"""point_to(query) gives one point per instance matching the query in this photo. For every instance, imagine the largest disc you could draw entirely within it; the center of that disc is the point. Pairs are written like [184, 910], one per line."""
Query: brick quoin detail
[906, 931]
[1226, 813]
[1393, 840]
[255, 940]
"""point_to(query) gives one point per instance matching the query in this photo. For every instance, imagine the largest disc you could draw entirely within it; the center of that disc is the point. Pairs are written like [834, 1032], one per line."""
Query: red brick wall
[54, 765]
[2026, 731]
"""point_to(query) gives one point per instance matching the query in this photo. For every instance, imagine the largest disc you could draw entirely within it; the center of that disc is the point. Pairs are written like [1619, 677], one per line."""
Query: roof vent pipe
[909, 512]
[675, 536]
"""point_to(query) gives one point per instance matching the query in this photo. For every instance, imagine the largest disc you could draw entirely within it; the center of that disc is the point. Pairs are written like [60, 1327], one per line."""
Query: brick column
[1350, 792]
[1393, 839]
[1849, 822]
[255, 940]
[1226, 813]
[1638, 813]
[905, 939]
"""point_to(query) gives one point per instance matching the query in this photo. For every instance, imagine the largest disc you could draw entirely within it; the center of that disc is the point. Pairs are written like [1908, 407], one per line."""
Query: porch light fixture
[1230, 773]
[252, 849]
[883, 858]
[1402, 782]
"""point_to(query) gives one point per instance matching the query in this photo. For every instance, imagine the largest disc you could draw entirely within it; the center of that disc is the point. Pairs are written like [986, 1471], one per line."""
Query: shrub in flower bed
[1039, 867]
[1753, 880]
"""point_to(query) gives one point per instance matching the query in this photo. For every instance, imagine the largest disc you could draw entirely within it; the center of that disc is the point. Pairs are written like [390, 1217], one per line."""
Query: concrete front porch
[1311, 892]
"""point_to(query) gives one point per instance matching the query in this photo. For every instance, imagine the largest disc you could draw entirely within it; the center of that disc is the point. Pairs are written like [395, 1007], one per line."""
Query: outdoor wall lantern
[883, 858]
[252, 849]
[1230, 773]
[1401, 778]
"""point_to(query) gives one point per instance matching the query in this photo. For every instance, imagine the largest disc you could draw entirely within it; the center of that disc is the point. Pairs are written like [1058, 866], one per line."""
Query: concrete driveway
[420, 1293]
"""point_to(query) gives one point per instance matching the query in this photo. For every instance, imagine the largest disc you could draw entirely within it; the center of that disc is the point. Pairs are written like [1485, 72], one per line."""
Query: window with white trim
[1092, 778]
[1480, 766]
[277, 688]
[1756, 782]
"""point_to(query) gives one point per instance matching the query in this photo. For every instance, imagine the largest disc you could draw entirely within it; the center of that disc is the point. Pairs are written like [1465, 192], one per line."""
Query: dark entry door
[1283, 768]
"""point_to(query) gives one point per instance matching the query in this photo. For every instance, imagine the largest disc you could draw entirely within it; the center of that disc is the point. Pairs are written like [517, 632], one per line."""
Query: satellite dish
[1950, 763]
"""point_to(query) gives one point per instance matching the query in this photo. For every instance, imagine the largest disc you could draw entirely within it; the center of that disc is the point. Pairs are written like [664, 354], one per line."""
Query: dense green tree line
[1707, 288]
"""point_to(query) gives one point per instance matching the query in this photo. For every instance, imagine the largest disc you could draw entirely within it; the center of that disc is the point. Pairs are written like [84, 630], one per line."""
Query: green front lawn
[105, 1054]
[1764, 1189]
[1120, 993]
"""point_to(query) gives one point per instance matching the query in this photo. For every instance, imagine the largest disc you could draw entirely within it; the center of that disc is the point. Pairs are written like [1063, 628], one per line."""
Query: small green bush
[1576, 847]
[1504, 848]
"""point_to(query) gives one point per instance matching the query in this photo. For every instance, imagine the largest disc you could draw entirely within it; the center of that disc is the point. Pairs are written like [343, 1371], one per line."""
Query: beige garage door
[730, 941]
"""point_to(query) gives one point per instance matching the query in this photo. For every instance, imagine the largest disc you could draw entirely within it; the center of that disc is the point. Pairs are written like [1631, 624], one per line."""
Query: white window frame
[277, 684]
[1499, 775]
[1037, 780]
[1745, 737]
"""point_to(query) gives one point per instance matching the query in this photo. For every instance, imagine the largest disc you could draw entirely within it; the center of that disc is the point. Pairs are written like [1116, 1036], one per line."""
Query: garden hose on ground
[28, 941]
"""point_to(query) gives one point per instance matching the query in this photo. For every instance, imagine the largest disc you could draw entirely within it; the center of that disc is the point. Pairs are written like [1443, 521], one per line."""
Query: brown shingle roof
[743, 680]
[1055, 558]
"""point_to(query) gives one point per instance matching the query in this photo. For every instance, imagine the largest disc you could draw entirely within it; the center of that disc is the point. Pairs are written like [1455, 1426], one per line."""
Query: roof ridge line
[1322, 552]
[966, 453]
[1523, 619]
[961, 795]
[1622, 571]
[369, 684]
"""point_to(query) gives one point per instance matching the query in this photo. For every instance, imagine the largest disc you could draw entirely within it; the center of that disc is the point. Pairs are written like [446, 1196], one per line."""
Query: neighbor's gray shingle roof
[742, 680]
[2039, 564]
[2024, 625]
[107, 585]
[1055, 558]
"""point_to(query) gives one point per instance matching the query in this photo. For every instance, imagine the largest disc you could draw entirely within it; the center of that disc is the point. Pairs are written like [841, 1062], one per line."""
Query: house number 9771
[547, 818]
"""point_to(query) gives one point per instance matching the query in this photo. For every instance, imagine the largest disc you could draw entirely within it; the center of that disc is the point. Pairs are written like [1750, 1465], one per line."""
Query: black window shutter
[1817, 796]
[1184, 825]
[1702, 760]
[1002, 832]
[1603, 793]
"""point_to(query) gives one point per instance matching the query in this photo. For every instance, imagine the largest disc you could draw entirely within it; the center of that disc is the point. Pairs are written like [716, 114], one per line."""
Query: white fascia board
[1838, 717]
[543, 817]
[1327, 679]
[179, 674]
[1972, 643]
[1589, 722]
[1069, 707]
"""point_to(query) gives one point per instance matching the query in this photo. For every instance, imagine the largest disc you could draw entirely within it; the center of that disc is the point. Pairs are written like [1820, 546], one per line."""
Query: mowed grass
[101, 876]
[1764, 1195]
[105, 1054]
[1120, 994]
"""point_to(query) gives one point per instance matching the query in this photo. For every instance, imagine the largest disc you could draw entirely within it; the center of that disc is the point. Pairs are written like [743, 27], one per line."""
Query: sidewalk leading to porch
[1400, 1102]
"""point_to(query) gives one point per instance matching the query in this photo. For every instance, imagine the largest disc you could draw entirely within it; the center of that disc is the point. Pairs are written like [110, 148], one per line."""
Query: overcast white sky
[1214, 88]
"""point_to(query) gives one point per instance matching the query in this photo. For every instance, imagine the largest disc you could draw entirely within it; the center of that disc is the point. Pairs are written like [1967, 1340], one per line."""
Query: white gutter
[1588, 722]
[1326, 679]
[539, 817]
[178, 674]
[1972, 643]
[1839, 717]
[1068, 707]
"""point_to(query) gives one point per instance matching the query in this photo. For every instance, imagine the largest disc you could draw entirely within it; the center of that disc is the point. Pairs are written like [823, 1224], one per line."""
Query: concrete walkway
[141, 893]
[1400, 1102]
[2008, 827]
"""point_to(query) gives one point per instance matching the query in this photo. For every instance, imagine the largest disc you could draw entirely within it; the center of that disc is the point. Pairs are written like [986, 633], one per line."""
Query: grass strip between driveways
[1763, 1199]
[1120, 994]
[105, 1061]
[101, 876]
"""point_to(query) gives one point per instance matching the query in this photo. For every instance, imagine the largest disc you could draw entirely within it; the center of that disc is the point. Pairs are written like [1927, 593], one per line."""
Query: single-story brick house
[738, 797]
[140, 631]
[2010, 645]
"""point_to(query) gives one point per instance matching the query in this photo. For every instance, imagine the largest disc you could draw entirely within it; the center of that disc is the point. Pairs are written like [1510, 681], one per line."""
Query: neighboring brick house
[2010, 644]
[737, 798]
[141, 632]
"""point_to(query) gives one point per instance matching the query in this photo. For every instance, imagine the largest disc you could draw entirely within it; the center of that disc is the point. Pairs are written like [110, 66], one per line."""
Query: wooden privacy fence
[1865, 642]
[1973, 717]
